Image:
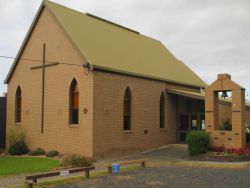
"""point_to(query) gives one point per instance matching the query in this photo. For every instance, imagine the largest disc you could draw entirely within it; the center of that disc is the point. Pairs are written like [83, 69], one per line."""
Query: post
[110, 169]
[143, 164]
[87, 173]
[30, 185]
[43, 86]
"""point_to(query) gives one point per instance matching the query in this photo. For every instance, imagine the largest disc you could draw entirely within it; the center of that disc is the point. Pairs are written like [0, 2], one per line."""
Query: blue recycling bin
[115, 168]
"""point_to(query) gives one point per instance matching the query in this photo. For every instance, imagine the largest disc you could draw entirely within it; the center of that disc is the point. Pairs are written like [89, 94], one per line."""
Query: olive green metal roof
[112, 47]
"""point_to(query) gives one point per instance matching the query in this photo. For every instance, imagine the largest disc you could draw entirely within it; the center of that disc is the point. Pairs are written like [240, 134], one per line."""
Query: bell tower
[236, 137]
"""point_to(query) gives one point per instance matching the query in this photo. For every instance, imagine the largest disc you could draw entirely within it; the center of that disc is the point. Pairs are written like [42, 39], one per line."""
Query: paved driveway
[168, 153]
[171, 176]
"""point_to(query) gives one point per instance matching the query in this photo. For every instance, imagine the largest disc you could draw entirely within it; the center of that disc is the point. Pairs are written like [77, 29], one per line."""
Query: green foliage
[16, 135]
[17, 145]
[226, 125]
[18, 148]
[73, 160]
[52, 153]
[198, 142]
[38, 151]
[21, 165]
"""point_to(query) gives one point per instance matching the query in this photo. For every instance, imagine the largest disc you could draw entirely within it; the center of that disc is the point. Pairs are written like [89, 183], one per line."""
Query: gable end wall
[57, 132]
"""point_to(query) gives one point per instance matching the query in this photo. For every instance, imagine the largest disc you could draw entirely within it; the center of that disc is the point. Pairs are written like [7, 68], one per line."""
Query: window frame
[127, 110]
[18, 105]
[162, 111]
[74, 103]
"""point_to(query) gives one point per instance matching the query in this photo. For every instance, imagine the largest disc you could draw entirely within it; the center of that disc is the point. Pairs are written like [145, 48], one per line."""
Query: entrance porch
[190, 113]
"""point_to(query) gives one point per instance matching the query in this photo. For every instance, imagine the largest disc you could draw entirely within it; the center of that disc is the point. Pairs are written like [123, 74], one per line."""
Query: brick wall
[236, 137]
[109, 136]
[57, 132]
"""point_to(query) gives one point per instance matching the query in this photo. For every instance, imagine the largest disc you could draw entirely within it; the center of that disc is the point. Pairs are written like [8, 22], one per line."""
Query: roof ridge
[93, 16]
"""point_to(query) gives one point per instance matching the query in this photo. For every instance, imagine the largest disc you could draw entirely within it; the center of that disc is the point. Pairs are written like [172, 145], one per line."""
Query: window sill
[128, 132]
[18, 123]
[73, 125]
[163, 129]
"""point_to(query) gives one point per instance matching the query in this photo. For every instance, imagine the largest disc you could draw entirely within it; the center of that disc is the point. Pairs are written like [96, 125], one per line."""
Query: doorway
[189, 122]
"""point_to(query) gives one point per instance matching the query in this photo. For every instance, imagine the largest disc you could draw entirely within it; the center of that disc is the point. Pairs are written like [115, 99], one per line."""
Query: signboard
[64, 173]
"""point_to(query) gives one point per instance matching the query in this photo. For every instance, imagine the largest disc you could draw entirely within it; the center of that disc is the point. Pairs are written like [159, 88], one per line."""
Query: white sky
[210, 37]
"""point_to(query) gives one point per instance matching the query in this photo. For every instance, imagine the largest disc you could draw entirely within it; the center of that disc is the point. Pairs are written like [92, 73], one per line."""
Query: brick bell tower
[236, 137]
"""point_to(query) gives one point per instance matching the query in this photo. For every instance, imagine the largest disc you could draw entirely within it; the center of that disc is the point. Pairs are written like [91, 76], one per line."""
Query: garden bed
[220, 157]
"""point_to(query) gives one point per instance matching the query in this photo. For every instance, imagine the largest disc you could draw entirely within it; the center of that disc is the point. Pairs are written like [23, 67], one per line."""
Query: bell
[224, 94]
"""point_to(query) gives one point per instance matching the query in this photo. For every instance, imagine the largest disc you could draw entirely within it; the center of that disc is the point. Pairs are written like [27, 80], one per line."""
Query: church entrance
[190, 116]
[189, 122]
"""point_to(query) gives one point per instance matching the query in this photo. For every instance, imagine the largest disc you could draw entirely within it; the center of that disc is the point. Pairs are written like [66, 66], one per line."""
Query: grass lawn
[21, 165]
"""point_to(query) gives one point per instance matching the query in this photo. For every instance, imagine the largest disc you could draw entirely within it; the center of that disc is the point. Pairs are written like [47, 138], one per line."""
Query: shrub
[18, 148]
[198, 142]
[52, 153]
[226, 125]
[17, 145]
[38, 151]
[73, 160]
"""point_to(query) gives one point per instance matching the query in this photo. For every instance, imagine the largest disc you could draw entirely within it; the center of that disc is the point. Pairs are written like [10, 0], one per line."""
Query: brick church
[100, 88]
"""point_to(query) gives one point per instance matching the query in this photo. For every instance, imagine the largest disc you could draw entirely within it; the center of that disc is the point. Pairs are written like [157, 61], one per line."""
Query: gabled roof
[112, 47]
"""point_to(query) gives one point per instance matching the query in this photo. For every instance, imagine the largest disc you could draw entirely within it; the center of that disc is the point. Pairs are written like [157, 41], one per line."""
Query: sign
[64, 173]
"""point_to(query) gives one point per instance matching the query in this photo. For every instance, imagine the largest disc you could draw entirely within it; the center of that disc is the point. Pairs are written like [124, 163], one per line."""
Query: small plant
[226, 125]
[52, 153]
[198, 142]
[38, 151]
[18, 148]
[248, 128]
[218, 149]
[73, 160]
[17, 145]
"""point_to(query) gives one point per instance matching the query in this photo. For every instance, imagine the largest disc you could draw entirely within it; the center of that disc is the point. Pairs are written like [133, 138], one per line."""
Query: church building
[82, 84]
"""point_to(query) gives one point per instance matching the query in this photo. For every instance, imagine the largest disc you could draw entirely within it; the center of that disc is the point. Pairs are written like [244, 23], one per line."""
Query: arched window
[74, 103]
[18, 104]
[127, 110]
[162, 111]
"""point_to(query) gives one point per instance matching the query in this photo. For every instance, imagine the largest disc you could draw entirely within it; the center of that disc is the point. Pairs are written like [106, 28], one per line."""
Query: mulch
[221, 158]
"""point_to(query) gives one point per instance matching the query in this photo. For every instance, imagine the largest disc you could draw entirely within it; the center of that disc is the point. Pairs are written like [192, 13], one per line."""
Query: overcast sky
[210, 37]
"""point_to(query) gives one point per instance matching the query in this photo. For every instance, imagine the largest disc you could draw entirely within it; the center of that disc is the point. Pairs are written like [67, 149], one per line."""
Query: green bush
[17, 145]
[38, 151]
[226, 125]
[52, 153]
[18, 148]
[73, 160]
[198, 142]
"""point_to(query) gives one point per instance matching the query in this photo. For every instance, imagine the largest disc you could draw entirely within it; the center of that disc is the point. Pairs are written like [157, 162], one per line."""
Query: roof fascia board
[24, 43]
[96, 67]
